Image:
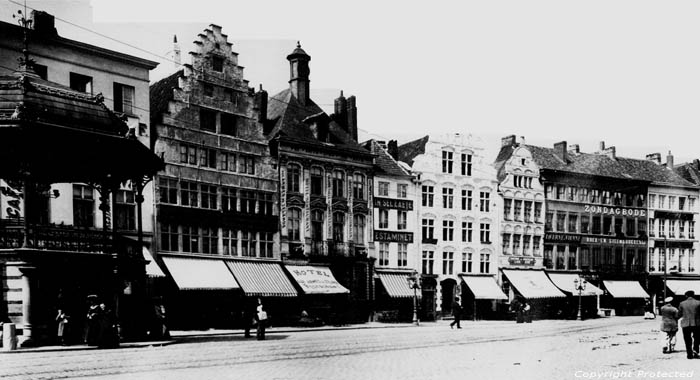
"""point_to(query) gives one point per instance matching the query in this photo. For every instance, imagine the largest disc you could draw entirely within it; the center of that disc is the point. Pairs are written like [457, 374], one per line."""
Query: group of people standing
[688, 312]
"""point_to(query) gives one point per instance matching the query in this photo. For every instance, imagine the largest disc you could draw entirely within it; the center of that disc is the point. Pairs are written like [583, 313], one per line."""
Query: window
[123, 98]
[247, 164]
[691, 204]
[266, 203]
[446, 161]
[536, 244]
[358, 187]
[188, 154]
[228, 162]
[641, 227]
[484, 263]
[516, 244]
[41, 71]
[585, 224]
[383, 218]
[338, 184]
[383, 189]
[547, 260]
[81, 83]
[630, 227]
[317, 225]
[559, 258]
[672, 228]
[217, 64]
[485, 233]
[247, 201]
[383, 254]
[402, 254]
[338, 226]
[358, 222]
[571, 262]
[167, 188]
[671, 203]
[316, 181]
[125, 210]
[229, 124]
[466, 200]
[190, 239]
[428, 228]
[662, 201]
[681, 203]
[607, 225]
[467, 232]
[652, 200]
[448, 230]
[294, 224]
[538, 211]
[573, 223]
[402, 222]
[517, 210]
[229, 199]
[169, 237]
[467, 259]
[484, 201]
[207, 120]
[583, 194]
[691, 230]
[506, 244]
[189, 194]
[561, 221]
[447, 262]
[207, 158]
[427, 196]
[560, 191]
[208, 194]
[605, 198]
[526, 244]
[293, 178]
[208, 90]
[548, 221]
[528, 211]
[267, 242]
[428, 259]
[447, 196]
[248, 243]
[570, 193]
[466, 164]
[596, 227]
[210, 240]
[595, 196]
[401, 190]
[230, 242]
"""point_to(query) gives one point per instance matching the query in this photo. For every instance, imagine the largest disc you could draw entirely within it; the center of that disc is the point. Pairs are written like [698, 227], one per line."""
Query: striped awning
[625, 289]
[532, 283]
[316, 280]
[679, 287]
[396, 284]
[260, 278]
[197, 274]
[565, 282]
[152, 268]
[484, 287]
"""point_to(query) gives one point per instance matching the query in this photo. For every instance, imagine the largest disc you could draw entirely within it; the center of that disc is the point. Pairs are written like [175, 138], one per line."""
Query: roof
[689, 171]
[384, 162]
[410, 150]
[601, 165]
[161, 93]
[287, 115]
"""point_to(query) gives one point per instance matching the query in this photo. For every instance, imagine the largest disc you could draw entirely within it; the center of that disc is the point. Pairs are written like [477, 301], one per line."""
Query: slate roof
[599, 165]
[161, 93]
[286, 115]
[410, 150]
[383, 162]
[689, 172]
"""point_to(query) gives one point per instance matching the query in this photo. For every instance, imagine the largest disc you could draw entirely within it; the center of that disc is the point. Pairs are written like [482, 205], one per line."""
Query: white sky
[626, 72]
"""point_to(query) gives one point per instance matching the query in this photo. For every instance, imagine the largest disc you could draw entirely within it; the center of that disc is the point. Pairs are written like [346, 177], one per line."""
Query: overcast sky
[626, 72]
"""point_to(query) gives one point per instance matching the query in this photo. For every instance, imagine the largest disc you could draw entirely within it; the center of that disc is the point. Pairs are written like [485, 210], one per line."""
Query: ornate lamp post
[580, 286]
[414, 283]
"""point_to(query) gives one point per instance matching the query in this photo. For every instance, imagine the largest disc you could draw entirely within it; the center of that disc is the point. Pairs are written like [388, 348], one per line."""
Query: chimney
[575, 148]
[340, 111]
[393, 149]
[610, 152]
[521, 140]
[299, 74]
[261, 105]
[44, 23]
[560, 151]
[602, 146]
[508, 141]
[176, 52]
[351, 110]
[654, 157]
[696, 164]
[669, 160]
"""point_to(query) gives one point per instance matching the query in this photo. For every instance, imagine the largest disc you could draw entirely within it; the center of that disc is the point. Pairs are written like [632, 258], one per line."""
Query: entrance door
[448, 295]
[427, 310]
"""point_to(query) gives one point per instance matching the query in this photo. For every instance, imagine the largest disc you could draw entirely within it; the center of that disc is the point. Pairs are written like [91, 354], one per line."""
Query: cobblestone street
[542, 350]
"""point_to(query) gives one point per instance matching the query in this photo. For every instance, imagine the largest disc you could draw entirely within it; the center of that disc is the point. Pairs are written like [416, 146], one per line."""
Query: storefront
[570, 283]
[679, 287]
[323, 297]
[545, 299]
[395, 296]
[482, 298]
[625, 297]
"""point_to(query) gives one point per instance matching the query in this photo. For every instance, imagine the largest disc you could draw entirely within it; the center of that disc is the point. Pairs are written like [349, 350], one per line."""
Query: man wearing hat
[669, 323]
[690, 323]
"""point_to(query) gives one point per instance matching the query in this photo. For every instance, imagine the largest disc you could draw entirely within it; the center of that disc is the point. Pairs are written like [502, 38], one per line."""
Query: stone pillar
[27, 279]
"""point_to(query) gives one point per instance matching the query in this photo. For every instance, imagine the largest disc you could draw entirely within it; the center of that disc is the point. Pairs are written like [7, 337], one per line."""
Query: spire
[176, 52]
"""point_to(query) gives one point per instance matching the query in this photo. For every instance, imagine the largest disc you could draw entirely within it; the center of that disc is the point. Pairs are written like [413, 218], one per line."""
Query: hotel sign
[393, 236]
[394, 204]
[521, 260]
[605, 210]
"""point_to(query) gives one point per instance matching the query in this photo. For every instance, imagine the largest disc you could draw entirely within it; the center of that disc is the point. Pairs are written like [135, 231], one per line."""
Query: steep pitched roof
[410, 150]
[383, 162]
[161, 93]
[689, 171]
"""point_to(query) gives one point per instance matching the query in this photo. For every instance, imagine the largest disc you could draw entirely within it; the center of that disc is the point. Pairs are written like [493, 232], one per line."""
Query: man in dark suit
[690, 323]
[456, 312]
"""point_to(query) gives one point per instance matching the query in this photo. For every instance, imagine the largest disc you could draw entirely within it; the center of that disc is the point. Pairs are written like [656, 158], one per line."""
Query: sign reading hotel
[394, 204]
[605, 210]
[316, 280]
[393, 236]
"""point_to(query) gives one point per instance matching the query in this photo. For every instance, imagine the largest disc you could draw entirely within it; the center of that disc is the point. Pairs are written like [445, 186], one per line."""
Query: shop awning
[484, 287]
[565, 282]
[396, 284]
[679, 287]
[261, 278]
[316, 280]
[532, 283]
[197, 274]
[152, 268]
[625, 289]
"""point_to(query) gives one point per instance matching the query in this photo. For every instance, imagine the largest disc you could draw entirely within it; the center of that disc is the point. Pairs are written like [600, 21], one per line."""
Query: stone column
[27, 272]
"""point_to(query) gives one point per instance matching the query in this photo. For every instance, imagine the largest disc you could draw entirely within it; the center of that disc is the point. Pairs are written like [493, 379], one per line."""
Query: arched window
[294, 224]
[316, 181]
[339, 227]
[359, 229]
[293, 178]
[338, 184]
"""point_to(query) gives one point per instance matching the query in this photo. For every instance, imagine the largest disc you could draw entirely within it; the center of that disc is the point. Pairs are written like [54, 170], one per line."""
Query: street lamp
[414, 283]
[580, 286]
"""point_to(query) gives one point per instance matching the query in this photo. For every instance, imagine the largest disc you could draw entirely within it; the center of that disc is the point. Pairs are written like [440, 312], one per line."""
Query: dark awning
[261, 278]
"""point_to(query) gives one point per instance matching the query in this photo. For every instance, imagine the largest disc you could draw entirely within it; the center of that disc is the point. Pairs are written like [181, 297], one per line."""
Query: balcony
[57, 238]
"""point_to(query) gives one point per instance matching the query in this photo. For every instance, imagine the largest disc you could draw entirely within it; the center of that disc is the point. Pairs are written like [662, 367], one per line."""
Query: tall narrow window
[402, 259]
[266, 244]
[428, 259]
[190, 239]
[517, 210]
[383, 189]
[316, 181]
[383, 218]
[527, 214]
[125, 210]
[485, 232]
[427, 196]
[448, 230]
[230, 242]
[358, 187]
[294, 224]
[338, 184]
[467, 232]
[401, 190]
[506, 244]
[167, 189]
[428, 229]
[466, 164]
[446, 161]
[358, 222]
[123, 98]
[484, 263]
[217, 64]
[229, 199]
[293, 178]
[210, 240]
[338, 227]
[209, 196]
[484, 201]
[447, 262]
[447, 197]
[317, 225]
[383, 254]
[401, 223]
[169, 237]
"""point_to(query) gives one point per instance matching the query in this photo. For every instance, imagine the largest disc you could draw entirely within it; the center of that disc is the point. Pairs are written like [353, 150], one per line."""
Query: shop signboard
[394, 204]
[393, 236]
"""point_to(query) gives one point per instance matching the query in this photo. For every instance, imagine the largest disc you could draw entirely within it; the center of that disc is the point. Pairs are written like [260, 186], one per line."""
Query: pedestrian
[518, 306]
[94, 314]
[261, 319]
[160, 326]
[649, 310]
[527, 317]
[248, 317]
[457, 313]
[669, 324]
[62, 319]
[690, 323]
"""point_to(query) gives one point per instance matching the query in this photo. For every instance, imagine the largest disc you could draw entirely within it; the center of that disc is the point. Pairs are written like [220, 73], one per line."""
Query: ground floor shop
[534, 288]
